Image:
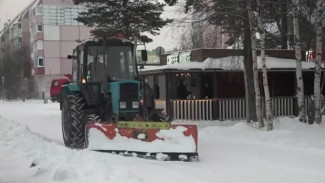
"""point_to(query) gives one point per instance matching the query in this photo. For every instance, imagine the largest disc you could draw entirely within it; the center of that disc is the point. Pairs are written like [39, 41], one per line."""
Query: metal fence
[228, 109]
[283, 106]
[234, 109]
[193, 109]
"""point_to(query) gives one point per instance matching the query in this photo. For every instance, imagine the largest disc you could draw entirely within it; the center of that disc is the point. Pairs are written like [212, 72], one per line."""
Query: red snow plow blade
[152, 140]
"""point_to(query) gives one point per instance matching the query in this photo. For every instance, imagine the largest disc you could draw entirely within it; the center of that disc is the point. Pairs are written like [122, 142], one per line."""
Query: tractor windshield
[114, 62]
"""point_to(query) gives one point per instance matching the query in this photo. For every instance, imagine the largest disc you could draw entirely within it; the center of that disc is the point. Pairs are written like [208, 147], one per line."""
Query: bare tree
[202, 33]
[248, 69]
[13, 68]
[254, 54]
[185, 41]
[300, 82]
[269, 117]
[318, 27]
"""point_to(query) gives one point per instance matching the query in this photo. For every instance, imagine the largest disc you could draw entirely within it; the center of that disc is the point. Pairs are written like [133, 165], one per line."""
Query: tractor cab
[109, 63]
[104, 73]
[105, 60]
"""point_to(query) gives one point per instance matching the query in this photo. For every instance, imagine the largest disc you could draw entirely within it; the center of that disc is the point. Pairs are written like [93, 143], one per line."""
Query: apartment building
[50, 32]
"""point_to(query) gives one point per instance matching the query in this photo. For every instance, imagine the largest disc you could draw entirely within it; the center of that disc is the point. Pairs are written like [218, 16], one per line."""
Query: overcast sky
[10, 8]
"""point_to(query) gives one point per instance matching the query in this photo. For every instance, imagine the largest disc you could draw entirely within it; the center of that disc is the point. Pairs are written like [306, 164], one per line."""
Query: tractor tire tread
[77, 129]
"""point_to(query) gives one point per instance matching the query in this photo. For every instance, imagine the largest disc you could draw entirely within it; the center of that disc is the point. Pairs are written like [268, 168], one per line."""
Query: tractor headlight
[122, 105]
[135, 105]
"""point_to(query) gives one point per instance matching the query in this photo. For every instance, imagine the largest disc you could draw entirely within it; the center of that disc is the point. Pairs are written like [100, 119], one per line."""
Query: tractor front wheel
[73, 125]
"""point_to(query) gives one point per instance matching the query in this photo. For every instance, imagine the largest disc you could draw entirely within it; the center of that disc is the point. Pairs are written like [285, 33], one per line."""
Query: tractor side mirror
[144, 55]
[71, 57]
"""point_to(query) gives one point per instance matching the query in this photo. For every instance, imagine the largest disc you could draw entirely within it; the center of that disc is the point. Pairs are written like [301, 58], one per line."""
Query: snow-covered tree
[129, 17]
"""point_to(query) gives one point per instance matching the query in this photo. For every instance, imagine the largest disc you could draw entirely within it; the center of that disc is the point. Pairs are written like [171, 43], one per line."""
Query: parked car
[56, 86]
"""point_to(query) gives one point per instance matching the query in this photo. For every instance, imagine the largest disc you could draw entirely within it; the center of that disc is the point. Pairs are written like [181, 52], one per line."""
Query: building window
[39, 10]
[20, 39]
[39, 62]
[39, 45]
[19, 26]
[55, 83]
[39, 28]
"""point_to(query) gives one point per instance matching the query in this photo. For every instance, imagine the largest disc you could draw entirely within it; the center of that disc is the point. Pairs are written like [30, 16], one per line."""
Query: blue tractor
[104, 94]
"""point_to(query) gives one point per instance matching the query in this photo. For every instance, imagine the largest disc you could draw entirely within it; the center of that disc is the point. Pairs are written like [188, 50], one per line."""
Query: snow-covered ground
[32, 151]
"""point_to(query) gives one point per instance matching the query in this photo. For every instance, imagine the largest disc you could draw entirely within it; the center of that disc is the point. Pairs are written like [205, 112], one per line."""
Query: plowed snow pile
[32, 151]
[174, 141]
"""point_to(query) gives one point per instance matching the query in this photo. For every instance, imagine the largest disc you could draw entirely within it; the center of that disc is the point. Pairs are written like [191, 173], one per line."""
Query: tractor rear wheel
[73, 125]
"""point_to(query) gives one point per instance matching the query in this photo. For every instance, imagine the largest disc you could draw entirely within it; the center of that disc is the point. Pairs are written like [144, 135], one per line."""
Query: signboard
[179, 57]
[172, 59]
[185, 57]
[159, 51]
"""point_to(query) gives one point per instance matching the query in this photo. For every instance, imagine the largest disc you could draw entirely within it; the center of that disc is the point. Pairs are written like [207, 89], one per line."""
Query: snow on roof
[280, 63]
[232, 63]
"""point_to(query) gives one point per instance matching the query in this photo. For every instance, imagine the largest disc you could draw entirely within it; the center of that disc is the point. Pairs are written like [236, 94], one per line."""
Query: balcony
[38, 36]
[39, 71]
[38, 53]
[19, 33]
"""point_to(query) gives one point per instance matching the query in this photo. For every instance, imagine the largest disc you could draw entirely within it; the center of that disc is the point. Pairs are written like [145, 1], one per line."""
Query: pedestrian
[147, 95]
[182, 91]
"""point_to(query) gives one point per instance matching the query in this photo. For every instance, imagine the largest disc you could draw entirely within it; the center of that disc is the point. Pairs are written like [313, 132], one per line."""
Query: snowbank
[32, 151]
